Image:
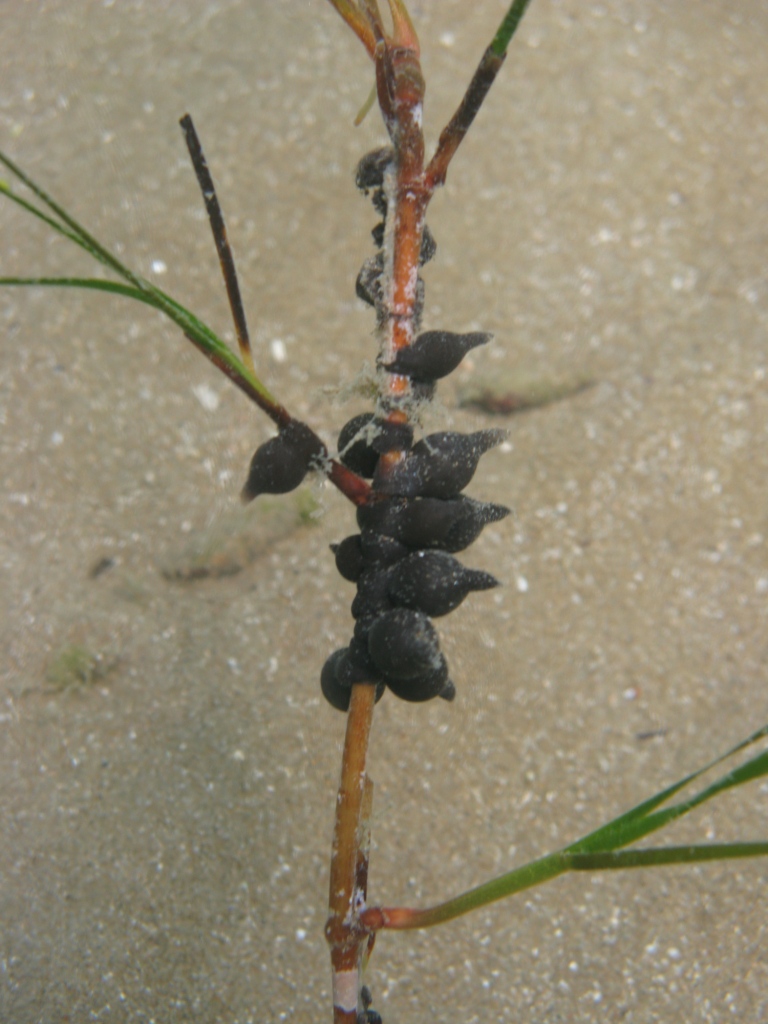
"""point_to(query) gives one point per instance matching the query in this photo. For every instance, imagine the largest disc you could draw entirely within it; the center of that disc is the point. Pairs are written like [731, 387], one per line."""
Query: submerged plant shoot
[408, 472]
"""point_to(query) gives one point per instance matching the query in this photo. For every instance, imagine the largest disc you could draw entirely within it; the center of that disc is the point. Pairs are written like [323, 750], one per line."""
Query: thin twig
[219, 230]
[349, 859]
[454, 132]
[482, 80]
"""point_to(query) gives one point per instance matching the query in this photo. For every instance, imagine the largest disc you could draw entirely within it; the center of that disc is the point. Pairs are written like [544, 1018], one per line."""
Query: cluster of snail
[402, 559]
[416, 517]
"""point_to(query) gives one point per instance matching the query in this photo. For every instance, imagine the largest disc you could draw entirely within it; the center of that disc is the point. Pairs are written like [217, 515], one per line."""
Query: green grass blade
[154, 297]
[7, 191]
[83, 238]
[599, 850]
[215, 349]
[94, 283]
[508, 27]
[755, 768]
[634, 823]
[534, 873]
[613, 860]
[99, 254]
[547, 868]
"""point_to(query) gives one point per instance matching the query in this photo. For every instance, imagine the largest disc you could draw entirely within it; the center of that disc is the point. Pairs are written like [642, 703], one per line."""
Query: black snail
[282, 462]
[435, 354]
[439, 466]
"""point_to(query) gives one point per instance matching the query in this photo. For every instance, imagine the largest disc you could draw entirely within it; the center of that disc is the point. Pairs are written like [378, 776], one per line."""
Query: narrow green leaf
[94, 283]
[534, 873]
[508, 27]
[755, 768]
[620, 859]
[83, 238]
[634, 823]
[6, 189]
[599, 850]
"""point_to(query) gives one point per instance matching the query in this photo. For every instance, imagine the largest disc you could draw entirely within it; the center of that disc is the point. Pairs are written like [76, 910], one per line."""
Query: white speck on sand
[206, 396]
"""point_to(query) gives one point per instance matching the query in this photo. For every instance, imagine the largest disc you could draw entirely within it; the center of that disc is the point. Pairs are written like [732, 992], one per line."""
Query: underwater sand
[167, 765]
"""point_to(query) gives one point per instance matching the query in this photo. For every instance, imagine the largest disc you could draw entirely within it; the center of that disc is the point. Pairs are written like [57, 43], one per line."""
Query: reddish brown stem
[351, 485]
[346, 936]
[351, 928]
[400, 87]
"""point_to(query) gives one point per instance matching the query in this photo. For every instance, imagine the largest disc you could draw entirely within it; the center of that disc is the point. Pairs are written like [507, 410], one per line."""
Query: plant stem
[349, 860]
[482, 80]
[350, 929]
[454, 132]
[216, 219]
[508, 26]
[400, 86]
[534, 873]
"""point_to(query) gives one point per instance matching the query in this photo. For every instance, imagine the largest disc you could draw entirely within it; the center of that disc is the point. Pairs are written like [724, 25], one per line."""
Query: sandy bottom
[167, 765]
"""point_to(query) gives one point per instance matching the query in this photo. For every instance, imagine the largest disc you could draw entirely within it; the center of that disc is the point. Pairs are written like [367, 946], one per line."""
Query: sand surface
[167, 765]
